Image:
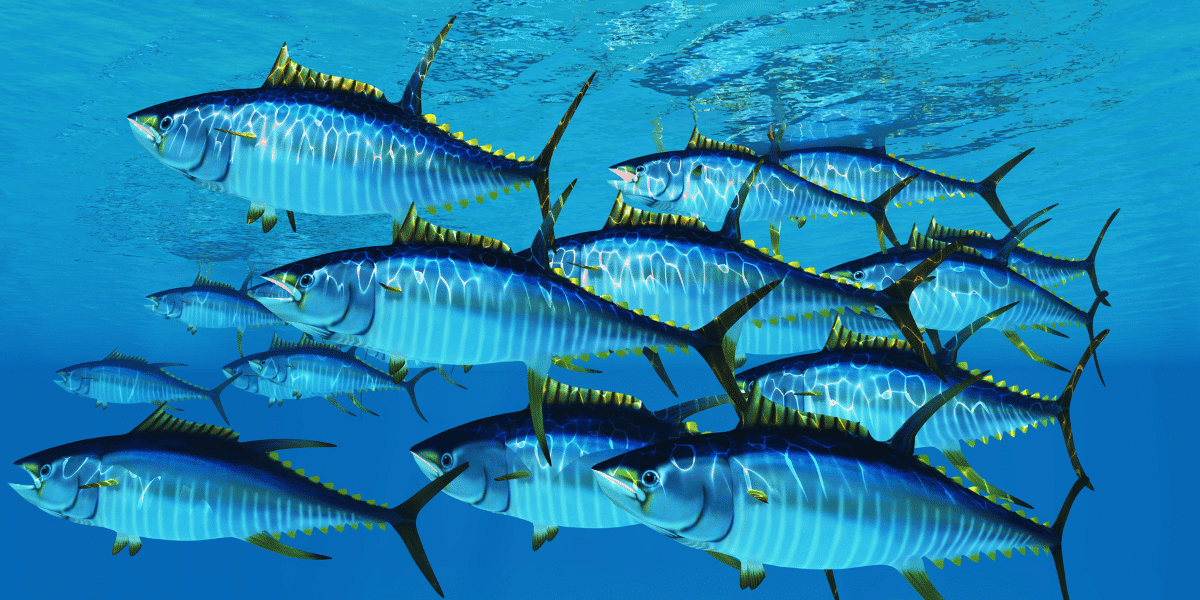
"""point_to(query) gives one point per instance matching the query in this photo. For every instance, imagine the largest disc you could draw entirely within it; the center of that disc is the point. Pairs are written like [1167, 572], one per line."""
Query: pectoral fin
[543, 534]
[99, 484]
[266, 542]
[134, 542]
[513, 475]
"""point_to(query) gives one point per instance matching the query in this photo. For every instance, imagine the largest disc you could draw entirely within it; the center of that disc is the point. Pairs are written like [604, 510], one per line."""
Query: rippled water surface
[1105, 92]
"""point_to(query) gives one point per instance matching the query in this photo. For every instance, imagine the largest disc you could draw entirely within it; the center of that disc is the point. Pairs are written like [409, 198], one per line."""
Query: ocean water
[1105, 91]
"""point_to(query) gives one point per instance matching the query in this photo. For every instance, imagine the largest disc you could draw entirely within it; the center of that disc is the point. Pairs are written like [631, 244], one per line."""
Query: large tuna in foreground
[171, 479]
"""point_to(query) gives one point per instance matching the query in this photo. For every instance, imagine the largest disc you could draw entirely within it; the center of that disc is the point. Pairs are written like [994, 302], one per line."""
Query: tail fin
[1018, 233]
[410, 386]
[901, 291]
[717, 342]
[987, 187]
[1091, 259]
[877, 209]
[948, 354]
[215, 395]
[1091, 318]
[1057, 528]
[541, 181]
[1064, 403]
[404, 519]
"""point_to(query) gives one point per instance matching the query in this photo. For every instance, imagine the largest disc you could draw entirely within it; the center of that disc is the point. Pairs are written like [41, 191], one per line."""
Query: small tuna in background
[509, 476]
[308, 368]
[208, 304]
[319, 144]
[171, 479]
[124, 379]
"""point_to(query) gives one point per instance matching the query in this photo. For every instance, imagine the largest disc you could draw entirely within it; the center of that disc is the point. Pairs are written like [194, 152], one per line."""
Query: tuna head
[247, 378]
[168, 305]
[195, 136]
[77, 379]
[670, 182]
[323, 296]
[490, 459]
[879, 270]
[57, 476]
[679, 488]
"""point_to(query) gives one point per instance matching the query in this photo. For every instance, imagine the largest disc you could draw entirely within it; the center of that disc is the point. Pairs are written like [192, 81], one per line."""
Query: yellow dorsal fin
[116, 355]
[160, 421]
[841, 338]
[942, 232]
[699, 142]
[761, 412]
[918, 241]
[415, 230]
[623, 215]
[201, 280]
[558, 393]
[288, 73]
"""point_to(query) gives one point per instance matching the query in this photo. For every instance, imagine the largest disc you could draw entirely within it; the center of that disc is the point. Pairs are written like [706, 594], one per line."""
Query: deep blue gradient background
[1105, 92]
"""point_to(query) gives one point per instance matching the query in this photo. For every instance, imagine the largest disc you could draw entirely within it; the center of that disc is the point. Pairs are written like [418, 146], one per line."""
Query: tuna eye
[306, 280]
[859, 276]
[640, 169]
[447, 461]
[165, 123]
[650, 478]
[45, 470]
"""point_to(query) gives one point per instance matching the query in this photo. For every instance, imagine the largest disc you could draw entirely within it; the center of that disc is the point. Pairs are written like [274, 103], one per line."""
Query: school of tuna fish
[803, 481]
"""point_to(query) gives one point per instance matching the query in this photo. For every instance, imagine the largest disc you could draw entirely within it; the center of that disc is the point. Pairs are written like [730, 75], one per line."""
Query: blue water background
[1106, 92]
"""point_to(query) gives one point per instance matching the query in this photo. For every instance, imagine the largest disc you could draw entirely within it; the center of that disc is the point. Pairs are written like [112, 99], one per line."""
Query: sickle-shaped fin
[1091, 319]
[956, 458]
[410, 102]
[359, 405]
[948, 355]
[1016, 340]
[904, 440]
[914, 573]
[1064, 402]
[541, 180]
[1059, 523]
[680, 412]
[265, 446]
[652, 355]
[543, 240]
[266, 542]
[537, 379]
[404, 520]
[717, 342]
[215, 395]
[902, 290]
[1091, 259]
[731, 228]
[410, 386]
[877, 209]
[1011, 242]
[987, 187]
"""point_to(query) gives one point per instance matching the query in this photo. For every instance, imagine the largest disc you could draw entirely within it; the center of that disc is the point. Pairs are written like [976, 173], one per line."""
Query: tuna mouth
[426, 462]
[293, 294]
[625, 173]
[620, 483]
[148, 133]
[32, 469]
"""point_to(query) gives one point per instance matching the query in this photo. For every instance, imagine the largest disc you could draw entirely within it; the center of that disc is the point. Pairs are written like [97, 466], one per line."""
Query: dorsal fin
[305, 341]
[699, 142]
[920, 242]
[841, 338]
[411, 100]
[415, 230]
[680, 412]
[732, 228]
[761, 412]
[624, 215]
[201, 280]
[1018, 233]
[116, 355]
[560, 394]
[904, 440]
[288, 73]
[948, 354]
[543, 240]
[160, 421]
[941, 232]
[246, 284]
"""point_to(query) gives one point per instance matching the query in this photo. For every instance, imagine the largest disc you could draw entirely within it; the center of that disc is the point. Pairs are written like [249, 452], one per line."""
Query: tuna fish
[702, 180]
[171, 479]
[878, 383]
[445, 297]
[123, 379]
[509, 475]
[313, 143]
[309, 368]
[210, 304]
[810, 491]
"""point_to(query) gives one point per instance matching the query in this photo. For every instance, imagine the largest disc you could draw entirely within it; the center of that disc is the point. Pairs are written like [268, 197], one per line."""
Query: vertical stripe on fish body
[510, 476]
[175, 480]
[814, 492]
[313, 143]
[209, 304]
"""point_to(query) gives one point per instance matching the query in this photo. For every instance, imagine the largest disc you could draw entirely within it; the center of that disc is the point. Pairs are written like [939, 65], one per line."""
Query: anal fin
[1027, 351]
[956, 458]
[543, 534]
[914, 573]
[266, 542]
[132, 541]
[751, 574]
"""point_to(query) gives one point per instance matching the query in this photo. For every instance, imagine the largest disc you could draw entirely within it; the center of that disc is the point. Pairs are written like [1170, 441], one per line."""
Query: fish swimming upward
[509, 476]
[809, 491]
[309, 368]
[657, 262]
[1037, 266]
[702, 180]
[123, 379]
[878, 382]
[171, 479]
[313, 143]
[866, 173]
[445, 297]
[967, 284]
[208, 304]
